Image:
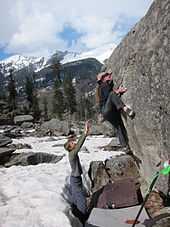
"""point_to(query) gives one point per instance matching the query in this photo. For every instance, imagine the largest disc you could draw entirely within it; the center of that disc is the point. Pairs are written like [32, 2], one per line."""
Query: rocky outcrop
[56, 127]
[104, 128]
[13, 132]
[8, 158]
[32, 158]
[154, 204]
[118, 168]
[26, 125]
[141, 63]
[4, 141]
[5, 150]
[22, 118]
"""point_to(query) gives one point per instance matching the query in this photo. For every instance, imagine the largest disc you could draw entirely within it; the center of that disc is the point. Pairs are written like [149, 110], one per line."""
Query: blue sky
[3, 54]
[70, 35]
[39, 27]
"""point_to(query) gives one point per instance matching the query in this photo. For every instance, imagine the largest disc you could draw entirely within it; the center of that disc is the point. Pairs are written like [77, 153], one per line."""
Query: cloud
[34, 27]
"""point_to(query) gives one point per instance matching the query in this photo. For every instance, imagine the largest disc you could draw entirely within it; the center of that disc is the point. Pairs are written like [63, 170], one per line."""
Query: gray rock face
[26, 125]
[113, 169]
[53, 127]
[162, 220]
[102, 128]
[98, 175]
[141, 63]
[22, 118]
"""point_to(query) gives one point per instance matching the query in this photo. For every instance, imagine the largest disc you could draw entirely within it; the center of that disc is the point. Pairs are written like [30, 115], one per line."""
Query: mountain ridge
[18, 62]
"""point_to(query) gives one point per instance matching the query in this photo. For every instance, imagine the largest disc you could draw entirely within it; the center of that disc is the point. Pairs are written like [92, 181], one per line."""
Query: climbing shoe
[127, 150]
[131, 114]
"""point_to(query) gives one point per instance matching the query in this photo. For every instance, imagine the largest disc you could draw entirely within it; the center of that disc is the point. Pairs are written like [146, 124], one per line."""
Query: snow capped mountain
[101, 53]
[17, 62]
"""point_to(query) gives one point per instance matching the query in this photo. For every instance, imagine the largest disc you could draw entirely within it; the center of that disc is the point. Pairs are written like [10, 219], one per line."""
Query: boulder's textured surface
[162, 220]
[154, 204]
[54, 127]
[26, 125]
[121, 167]
[22, 118]
[104, 128]
[141, 63]
[13, 132]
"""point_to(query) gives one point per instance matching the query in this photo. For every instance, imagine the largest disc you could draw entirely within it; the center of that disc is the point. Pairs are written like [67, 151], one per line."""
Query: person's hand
[120, 90]
[87, 127]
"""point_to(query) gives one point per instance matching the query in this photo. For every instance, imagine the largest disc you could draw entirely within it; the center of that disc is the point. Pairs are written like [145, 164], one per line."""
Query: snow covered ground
[31, 196]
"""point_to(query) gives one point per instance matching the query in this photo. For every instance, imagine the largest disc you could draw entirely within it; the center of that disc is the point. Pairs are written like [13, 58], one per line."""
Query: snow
[18, 62]
[101, 54]
[32, 195]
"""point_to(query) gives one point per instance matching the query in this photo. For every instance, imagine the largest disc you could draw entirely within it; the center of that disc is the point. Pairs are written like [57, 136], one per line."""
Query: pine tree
[56, 67]
[31, 94]
[89, 111]
[12, 93]
[45, 108]
[58, 100]
[82, 107]
[2, 92]
[70, 95]
[35, 108]
[29, 90]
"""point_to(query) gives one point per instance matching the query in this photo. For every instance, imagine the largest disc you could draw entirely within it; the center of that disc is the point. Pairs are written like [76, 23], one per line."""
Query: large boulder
[5, 154]
[23, 118]
[13, 132]
[5, 151]
[117, 168]
[32, 158]
[141, 63]
[4, 141]
[54, 127]
[27, 125]
[104, 128]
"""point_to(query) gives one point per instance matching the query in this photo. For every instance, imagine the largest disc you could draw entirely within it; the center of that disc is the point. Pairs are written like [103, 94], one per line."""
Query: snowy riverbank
[31, 196]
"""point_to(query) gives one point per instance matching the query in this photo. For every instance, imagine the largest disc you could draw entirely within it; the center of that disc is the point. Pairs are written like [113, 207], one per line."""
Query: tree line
[68, 101]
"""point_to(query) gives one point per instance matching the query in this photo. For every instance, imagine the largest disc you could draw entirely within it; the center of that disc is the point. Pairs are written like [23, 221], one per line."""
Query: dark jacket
[102, 93]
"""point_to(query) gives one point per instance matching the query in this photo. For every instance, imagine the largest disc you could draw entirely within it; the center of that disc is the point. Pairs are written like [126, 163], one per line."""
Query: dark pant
[112, 113]
[78, 194]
